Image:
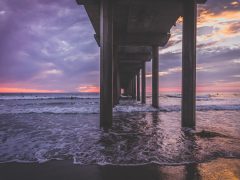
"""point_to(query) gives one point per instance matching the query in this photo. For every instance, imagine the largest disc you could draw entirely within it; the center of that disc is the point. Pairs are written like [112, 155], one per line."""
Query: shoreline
[224, 168]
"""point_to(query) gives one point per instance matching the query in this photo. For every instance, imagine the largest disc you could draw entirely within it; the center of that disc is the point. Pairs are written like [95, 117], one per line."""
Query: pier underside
[129, 33]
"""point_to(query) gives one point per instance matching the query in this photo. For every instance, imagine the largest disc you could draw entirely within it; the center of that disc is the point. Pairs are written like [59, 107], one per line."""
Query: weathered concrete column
[138, 86]
[155, 79]
[115, 79]
[115, 83]
[118, 86]
[124, 91]
[129, 89]
[115, 58]
[106, 78]
[144, 83]
[189, 64]
[134, 88]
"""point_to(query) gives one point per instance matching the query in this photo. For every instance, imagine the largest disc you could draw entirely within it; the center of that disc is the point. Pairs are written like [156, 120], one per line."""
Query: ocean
[44, 127]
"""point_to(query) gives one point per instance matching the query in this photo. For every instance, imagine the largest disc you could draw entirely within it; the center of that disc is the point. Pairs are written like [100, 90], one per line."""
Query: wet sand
[66, 170]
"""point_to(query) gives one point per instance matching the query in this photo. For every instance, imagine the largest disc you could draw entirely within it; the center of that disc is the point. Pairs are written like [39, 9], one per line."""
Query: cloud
[45, 43]
[88, 88]
[219, 86]
[232, 29]
[236, 61]
[167, 72]
[39, 33]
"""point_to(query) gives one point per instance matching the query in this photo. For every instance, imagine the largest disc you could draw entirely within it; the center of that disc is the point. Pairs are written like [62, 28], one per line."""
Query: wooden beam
[134, 49]
[130, 66]
[93, 12]
[189, 64]
[144, 39]
[143, 83]
[135, 56]
[201, 1]
[97, 39]
[153, 1]
[127, 70]
[81, 2]
[106, 64]
[131, 62]
[155, 77]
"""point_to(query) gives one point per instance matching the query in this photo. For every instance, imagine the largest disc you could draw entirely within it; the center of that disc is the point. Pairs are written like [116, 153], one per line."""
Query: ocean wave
[95, 156]
[46, 98]
[218, 107]
[206, 97]
[54, 110]
[232, 107]
[174, 95]
[126, 164]
[134, 139]
[94, 109]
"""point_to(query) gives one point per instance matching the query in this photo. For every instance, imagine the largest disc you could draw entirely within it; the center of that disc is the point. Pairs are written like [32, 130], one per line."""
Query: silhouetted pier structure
[129, 33]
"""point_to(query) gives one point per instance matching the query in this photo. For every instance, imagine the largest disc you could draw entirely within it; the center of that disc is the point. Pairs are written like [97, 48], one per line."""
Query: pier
[129, 33]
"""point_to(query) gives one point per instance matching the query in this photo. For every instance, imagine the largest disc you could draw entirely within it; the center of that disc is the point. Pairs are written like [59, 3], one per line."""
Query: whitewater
[42, 127]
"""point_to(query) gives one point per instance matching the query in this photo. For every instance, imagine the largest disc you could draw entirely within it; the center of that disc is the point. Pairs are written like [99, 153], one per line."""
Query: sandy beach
[216, 169]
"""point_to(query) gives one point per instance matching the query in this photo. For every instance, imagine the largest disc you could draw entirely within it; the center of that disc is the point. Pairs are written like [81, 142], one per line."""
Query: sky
[48, 46]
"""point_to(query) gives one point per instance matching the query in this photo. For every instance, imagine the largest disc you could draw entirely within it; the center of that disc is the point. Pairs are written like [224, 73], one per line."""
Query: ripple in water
[136, 138]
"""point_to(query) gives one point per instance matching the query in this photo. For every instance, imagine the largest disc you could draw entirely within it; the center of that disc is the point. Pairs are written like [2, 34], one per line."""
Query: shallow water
[38, 128]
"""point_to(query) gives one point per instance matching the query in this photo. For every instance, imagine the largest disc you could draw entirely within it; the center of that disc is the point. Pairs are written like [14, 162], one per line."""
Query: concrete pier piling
[138, 86]
[155, 77]
[189, 63]
[129, 33]
[106, 61]
[143, 83]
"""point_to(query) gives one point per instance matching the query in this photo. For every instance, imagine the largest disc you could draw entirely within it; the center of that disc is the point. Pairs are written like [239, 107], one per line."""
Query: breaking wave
[94, 109]
[36, 97]
[34, 129]
[133, 140]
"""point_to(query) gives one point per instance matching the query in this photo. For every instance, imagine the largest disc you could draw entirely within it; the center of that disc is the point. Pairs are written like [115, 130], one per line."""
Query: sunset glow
[88, 89]
[53, 49]
[20, 90]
